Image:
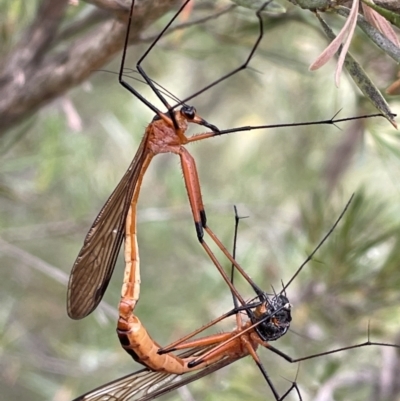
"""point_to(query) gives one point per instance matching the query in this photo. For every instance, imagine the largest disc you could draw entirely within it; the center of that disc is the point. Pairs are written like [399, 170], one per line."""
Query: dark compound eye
[189, 112]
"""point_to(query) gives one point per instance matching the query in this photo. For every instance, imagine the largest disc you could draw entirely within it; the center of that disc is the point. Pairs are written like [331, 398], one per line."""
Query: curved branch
[34, 74]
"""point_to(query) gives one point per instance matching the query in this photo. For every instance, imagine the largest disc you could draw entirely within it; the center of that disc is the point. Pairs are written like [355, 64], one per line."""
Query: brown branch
[37, 37]
[82, 23]
[32, 75]
[111, 5]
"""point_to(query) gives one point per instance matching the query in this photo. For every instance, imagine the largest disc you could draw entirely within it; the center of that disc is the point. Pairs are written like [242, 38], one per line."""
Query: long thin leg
[331, 121]
[142, 72]
[157, 92]
[174, 346]
[334, 351]
[127, 86]
[178, 344]
[196, 203]
[139, 68]
[121, 80]
[242, 66]
[256, 358]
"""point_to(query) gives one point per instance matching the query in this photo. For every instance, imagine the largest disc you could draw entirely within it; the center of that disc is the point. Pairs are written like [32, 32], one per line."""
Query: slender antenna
[128, 71]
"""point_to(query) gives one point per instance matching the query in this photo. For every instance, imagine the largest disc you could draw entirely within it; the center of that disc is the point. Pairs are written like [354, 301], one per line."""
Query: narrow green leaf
[380, 40]
[361, 79]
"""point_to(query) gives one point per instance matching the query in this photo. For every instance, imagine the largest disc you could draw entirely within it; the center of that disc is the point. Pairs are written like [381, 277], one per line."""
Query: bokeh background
[59, 166]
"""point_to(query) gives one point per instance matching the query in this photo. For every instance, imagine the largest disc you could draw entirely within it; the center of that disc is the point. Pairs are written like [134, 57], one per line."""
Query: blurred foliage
[292, 183]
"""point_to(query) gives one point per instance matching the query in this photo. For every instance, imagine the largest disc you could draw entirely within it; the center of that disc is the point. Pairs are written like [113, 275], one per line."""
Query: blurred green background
[59, 167]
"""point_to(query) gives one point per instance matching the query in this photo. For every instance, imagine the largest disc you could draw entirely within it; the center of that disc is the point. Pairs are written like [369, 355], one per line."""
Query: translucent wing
[95, 263]
[145, 384]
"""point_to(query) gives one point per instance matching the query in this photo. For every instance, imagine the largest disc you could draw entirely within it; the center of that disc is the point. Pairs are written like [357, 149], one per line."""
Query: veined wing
[95, 263]
[145, 384]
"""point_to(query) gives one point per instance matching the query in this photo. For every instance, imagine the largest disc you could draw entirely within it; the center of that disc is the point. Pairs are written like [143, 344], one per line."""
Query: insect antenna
[162, 89]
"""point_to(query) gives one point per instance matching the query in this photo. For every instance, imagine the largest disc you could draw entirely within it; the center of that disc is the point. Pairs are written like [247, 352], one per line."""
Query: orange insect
[269, 318]
[95, 263]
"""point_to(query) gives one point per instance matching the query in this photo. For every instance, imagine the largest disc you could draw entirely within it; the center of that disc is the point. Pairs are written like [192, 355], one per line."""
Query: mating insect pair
[268, 319]
[268, 315]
